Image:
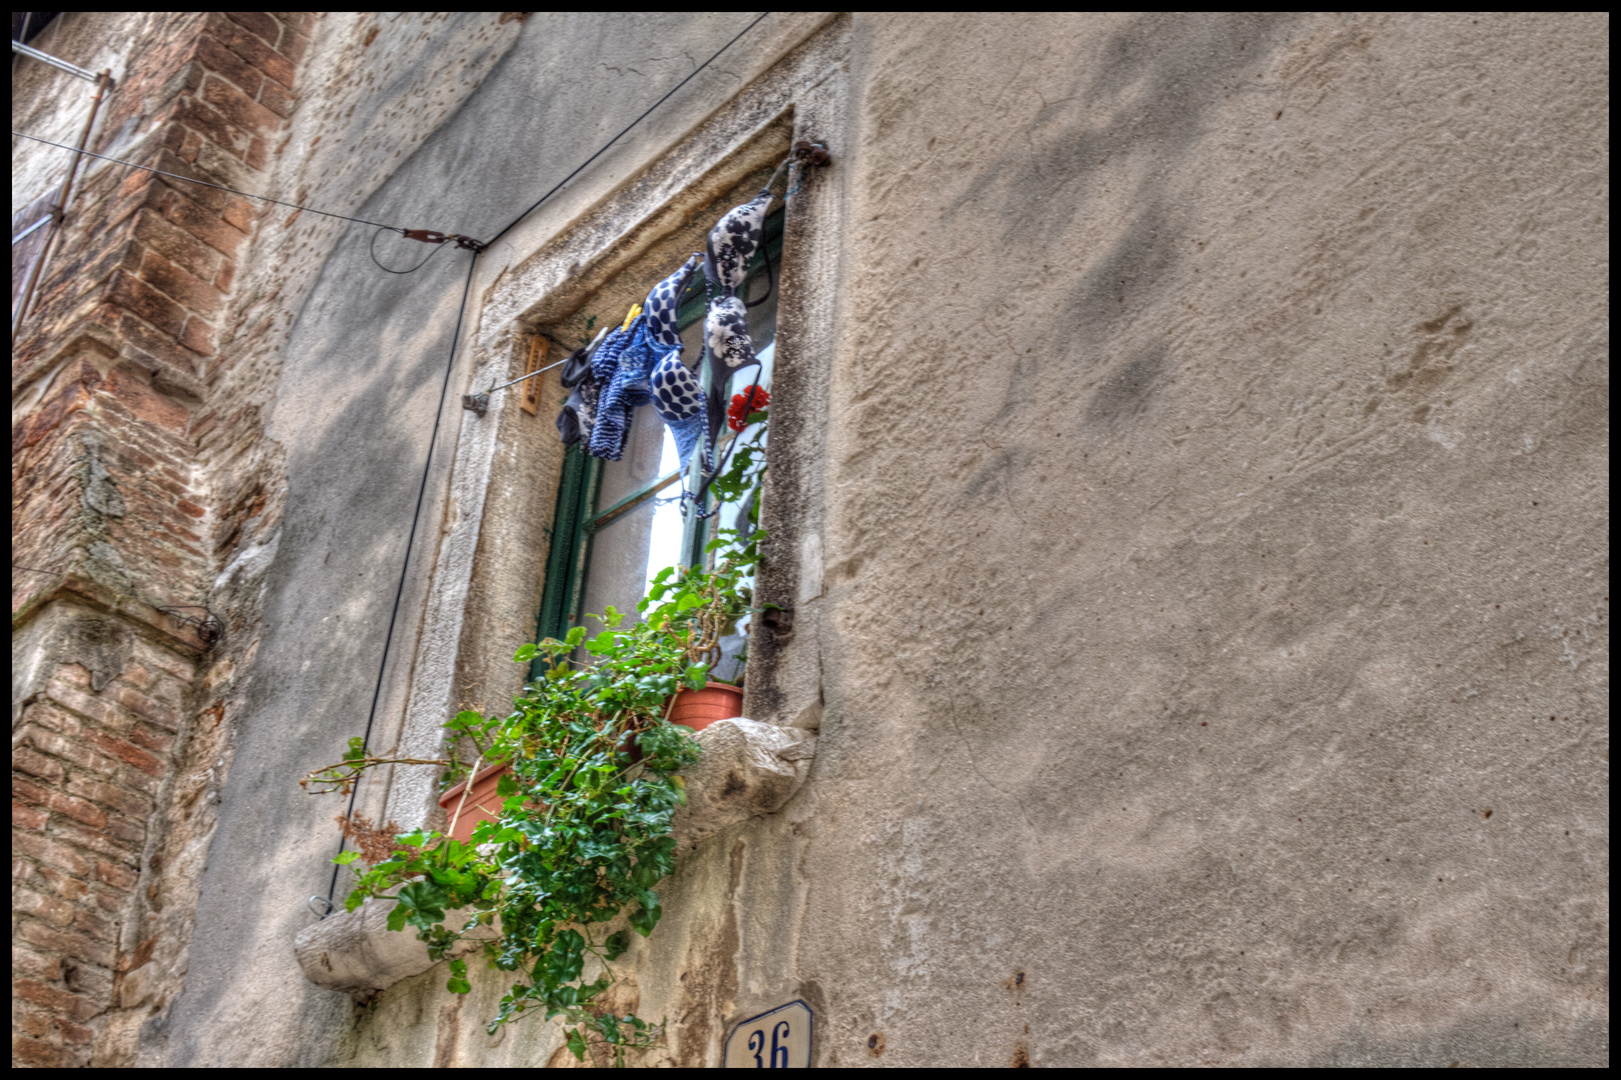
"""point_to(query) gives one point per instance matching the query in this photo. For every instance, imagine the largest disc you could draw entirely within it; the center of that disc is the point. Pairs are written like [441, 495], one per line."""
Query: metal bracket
[479, 403]
[811, 153]
[428, 236]
[778, 619]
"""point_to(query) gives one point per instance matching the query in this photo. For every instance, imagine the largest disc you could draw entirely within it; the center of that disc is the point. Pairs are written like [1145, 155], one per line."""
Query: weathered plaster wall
[1206, 530]
[1217, 598]
[1203, 562]
[448, 122]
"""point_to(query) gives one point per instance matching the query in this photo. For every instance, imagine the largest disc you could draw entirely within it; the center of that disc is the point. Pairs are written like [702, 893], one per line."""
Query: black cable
[399, 592]
[628, 126]
[405, 566]
[205, 183]
[35, 570]
[372, 251]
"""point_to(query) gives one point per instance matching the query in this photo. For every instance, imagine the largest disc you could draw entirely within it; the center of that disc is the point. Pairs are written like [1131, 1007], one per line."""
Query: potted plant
[577, 831]
[472, 801]
[704, 606]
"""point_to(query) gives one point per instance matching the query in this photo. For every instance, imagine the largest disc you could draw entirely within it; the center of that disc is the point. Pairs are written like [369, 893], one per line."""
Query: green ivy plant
[584, 832]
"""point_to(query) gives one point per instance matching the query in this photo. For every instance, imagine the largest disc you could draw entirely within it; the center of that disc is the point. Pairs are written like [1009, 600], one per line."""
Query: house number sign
[779, 1039]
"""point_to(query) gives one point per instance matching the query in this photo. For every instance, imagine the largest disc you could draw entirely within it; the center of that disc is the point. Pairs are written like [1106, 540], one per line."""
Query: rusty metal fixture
[811, 153]
[429, 236]
[209, 628]
[104, 83]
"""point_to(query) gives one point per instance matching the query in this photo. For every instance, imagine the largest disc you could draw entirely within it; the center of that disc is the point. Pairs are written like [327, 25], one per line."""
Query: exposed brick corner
[123, 519]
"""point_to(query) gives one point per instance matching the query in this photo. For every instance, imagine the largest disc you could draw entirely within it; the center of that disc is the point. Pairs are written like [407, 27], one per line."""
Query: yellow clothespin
[635, 310]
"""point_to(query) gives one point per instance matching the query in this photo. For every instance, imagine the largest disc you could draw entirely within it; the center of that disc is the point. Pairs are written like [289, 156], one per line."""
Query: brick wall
[88, 762]
[118, 361]
[133, 484]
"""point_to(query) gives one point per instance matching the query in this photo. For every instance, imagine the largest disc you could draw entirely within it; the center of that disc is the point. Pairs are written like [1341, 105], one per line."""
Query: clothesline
[809, 159]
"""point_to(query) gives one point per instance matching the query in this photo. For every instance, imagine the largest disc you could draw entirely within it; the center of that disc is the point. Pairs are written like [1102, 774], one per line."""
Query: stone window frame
[580, 508]
[488, 571]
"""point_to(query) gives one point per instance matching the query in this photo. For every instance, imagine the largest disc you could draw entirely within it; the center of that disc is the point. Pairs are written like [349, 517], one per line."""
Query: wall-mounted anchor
[428, 236]
[811, 153]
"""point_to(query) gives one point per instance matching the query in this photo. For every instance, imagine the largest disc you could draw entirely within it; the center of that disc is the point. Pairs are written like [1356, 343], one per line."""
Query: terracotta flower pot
[697, 709]
[483, 804]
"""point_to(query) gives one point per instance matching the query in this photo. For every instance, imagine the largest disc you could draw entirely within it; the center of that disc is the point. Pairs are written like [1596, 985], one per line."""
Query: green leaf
[616, 944]
[525, 653]
[396, 918]
[576, 1045]
[458, 983]
[574, 637]
[426, 903]
[642, 920]
[346, 858]
[696, 676]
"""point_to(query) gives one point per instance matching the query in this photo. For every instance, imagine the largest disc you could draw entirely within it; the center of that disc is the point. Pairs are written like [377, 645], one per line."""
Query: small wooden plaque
[529, 400]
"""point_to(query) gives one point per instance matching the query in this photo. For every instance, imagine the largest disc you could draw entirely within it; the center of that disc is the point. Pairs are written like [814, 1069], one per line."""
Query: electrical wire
[371, 249]
[205, 183]
[559, 186]
[405, 565]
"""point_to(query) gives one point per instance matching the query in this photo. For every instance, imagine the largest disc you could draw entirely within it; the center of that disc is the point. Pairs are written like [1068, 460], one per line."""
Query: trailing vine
[583, 836]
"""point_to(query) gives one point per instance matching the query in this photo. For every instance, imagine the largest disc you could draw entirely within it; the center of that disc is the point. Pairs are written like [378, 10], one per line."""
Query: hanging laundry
[678, 398]
[677, 394]
[663, 301]
[625, 363]
[726, 332]
[733, 241]
[731, 246]
[640, 362]
[575, 420]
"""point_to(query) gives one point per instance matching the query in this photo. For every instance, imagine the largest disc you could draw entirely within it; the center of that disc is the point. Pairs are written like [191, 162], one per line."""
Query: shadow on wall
[1497, 1042]
[1147, 102]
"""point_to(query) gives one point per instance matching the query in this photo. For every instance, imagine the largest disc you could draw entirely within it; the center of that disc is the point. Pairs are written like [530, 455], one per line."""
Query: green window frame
[577, 516]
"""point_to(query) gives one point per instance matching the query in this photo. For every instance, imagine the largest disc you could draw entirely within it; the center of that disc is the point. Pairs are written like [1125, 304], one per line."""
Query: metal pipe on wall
[104, 82]
[47, 58]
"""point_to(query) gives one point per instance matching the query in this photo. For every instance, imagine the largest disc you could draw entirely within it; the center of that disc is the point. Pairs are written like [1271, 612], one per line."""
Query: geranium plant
[584, 832]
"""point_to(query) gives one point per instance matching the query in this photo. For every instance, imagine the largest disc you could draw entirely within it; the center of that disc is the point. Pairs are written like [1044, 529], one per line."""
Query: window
[617, 523]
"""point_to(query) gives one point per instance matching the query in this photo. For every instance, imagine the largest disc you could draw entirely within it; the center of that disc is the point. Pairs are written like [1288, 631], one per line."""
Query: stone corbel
[356, 952]
[748, 769]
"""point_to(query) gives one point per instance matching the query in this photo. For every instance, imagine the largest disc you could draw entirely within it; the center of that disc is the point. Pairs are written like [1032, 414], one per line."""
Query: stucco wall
[1217, 616]
[1212, 623]
[1197, 539]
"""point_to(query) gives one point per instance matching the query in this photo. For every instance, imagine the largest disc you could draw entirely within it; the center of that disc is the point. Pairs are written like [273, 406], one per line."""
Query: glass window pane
[639, 542]
[618, 558]
[627, 550]
[639, 466]
[664, 543]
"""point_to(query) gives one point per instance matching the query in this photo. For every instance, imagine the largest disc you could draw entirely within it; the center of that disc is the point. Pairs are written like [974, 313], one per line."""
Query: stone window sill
[748, 769]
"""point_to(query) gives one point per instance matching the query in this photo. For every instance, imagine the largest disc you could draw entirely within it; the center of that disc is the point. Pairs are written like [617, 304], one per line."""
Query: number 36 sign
[779, 1039]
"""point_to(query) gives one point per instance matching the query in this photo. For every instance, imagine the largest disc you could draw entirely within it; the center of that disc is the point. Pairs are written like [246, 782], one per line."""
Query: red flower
[736, 418]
